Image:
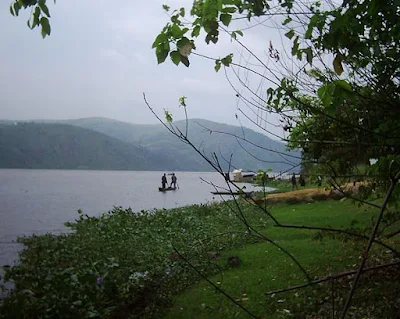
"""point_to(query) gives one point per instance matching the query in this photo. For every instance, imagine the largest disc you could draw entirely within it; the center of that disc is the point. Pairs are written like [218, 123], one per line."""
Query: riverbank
[124, 264]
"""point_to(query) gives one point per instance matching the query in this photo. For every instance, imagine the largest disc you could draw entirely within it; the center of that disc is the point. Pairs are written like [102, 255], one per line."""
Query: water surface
[41, 201]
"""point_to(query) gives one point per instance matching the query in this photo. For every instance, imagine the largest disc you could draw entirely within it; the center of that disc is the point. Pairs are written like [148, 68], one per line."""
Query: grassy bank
[124, 265]
[264, 268]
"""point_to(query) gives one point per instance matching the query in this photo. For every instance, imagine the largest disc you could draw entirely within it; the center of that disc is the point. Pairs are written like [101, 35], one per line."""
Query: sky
[98, 62]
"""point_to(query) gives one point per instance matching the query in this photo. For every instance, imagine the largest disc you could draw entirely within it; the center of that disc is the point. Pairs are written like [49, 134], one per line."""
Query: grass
[123, 264]
[264, 267]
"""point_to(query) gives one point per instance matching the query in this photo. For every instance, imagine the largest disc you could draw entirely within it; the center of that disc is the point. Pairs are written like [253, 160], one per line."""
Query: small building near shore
[245, 177]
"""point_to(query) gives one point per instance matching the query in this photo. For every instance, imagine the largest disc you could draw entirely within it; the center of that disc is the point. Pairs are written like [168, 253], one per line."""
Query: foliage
[354, 113]
[121, 263]
[40, 14]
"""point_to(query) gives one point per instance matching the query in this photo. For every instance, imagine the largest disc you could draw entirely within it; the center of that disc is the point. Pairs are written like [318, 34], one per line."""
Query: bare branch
[330, 277]
[364, 258]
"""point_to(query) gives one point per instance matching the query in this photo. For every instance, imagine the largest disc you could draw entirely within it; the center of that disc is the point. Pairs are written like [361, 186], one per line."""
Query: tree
[338, 99]
[341, 116]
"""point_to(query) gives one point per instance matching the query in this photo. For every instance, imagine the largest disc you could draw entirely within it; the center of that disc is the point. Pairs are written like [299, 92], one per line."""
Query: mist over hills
[60, 146]
[101, 143]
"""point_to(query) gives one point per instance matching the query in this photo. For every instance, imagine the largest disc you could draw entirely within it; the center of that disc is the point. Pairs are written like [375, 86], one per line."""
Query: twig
[335, 230]
[394, 181]
[333, 297]
[330, 277]
[393, 234]
[214, 285]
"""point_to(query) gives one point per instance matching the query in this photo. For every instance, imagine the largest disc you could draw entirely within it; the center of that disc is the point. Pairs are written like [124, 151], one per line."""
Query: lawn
[264, 267]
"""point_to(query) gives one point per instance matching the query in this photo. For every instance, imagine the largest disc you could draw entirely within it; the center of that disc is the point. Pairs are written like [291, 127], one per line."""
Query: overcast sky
[98, 61]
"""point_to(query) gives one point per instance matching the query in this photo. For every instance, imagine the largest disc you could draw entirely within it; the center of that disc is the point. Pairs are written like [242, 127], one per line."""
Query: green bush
[119, 261]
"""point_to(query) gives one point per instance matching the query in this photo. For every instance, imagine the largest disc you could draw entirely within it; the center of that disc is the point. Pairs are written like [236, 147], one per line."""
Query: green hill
[157, 138]
[60, 146]
[112, 144]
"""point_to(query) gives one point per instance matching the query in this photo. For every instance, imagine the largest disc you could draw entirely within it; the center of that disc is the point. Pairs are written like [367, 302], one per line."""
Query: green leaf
[295, 47]
[175, 57]
[44, 8]
[185, 61]
[217, 65]
[182, 101]
[176, 31]
[309, 54]
[287, 20]
[46, 30]
[311, 25]
[182, 12]
[227, 60]
[325, 94]
[161, 38]
[196, 31]
[35, 20]
[168, 116]
[161, 53]
[12, 10]
[290, 34]
[239, 32]
[165, 7]
[229, 10]
[337, 64]
[17, 6]
[182, 42]
[343, 84]
[225, 18]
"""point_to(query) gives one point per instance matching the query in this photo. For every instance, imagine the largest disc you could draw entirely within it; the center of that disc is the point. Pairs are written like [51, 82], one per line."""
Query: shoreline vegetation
[124, 264]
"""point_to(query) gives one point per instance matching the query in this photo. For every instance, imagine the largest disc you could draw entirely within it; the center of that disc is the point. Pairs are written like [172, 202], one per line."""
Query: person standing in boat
[173, 180]
[164, 181]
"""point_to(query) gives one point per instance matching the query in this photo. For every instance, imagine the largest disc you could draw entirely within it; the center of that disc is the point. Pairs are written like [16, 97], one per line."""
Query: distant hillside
[60, 146]
[157, 149]
[157, 138]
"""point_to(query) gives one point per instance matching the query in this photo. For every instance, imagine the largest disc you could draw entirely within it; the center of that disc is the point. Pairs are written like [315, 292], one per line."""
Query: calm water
[40, 201]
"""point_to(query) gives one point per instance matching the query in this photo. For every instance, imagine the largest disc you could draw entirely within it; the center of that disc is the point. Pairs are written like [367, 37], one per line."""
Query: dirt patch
[298, 196]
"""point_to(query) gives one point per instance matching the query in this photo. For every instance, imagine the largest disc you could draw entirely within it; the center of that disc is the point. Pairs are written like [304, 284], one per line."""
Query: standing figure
[164, 181]
[319, 180]
[294, 183]
[302, 181]
[173, 180]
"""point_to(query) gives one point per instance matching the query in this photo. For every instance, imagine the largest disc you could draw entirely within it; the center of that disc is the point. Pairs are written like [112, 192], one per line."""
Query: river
[41, 201]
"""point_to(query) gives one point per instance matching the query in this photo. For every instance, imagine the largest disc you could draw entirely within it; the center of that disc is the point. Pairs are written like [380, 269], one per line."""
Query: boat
[246, 194]
[166, 189]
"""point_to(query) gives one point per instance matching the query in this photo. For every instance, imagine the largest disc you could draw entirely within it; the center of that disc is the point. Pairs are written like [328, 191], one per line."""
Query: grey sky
[98, 61]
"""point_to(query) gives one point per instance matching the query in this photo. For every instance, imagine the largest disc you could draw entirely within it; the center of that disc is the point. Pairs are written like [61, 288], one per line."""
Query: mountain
[61, 146]
[250, 156]
[167, 152]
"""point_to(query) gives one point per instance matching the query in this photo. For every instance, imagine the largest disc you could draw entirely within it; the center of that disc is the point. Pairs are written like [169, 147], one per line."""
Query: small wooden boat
[166, 189]
[246, 194]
